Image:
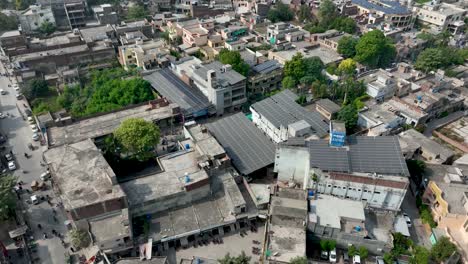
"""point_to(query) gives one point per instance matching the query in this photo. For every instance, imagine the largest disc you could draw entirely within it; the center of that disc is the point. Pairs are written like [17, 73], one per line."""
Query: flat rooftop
[288, 242]
[328, 210]
[54, 52]
[82, 174]
[12, 33]
[205, 142]
[110, 227]
[412, 136]
[326, 55]
[328, 105]
[105, 124]
[386, 6]
[248, 147]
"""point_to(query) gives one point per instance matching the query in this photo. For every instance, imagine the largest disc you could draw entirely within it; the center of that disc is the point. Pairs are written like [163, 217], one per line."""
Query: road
[19, 135]
[418, 231]
[435, 124]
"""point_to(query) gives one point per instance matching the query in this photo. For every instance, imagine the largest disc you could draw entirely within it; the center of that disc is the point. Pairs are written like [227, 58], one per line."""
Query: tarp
[401, 226]
[18, 231]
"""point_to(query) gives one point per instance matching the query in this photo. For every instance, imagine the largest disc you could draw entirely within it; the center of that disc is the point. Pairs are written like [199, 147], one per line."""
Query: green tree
[388, 258]
[8, 22]
[375, 50]
[313, 68]
[345, 24]
[349, 115]
[347, 67]
[363, 252]
[352, 251]
[138, 137]
[7, 197]
[288, 82]
[280, 12]
[421, 255]
[79, 238]
[241, 259]
[304, 14]
[234, 59]
[295, 68]
[313, 28]
[347, 46]
[443, 249]
[327, 244]
[298, 260]
[319, 89]
[137, 12]
[35, 88]
[327, 13]
[430, 59]
[47, 28]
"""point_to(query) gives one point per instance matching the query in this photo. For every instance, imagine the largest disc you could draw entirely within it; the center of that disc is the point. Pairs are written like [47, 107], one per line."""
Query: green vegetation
[416, 169]
[137, 137]
[347, 46]
[35, 88]
[327, 13]
[79, 238]
[41, 96]
[330, 19]
[327, 244]
[241, 259]
[349, 115]
[8, 22]
[442, 250]
[363, 252]
[137, 12]
[261, 47]
[347, 67]
[23, 4]
[426, 215]
[352, 251]
[345, 24]
[302, 71]
[304, 14]
[47, 28]
[105, 91]
[7, 197]
[280, 12]
[375, 50]
[432, 59]
[235, 60]
[298, 260]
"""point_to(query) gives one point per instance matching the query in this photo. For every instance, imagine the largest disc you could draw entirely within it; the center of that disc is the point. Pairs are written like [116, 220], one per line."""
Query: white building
[32, 18]
[367, 169]
[441, 16]
[380, 119]
[280, 117]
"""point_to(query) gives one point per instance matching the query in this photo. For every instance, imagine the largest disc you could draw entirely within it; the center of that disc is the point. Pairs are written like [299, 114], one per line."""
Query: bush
[79, 238]
[426, 216]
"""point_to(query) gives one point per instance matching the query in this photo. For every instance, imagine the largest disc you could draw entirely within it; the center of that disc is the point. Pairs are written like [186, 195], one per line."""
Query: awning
[18, 231]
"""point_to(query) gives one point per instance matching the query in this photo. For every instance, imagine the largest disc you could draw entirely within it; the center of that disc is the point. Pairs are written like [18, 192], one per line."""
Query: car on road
[345, 258]
[30, 120]
[11, 165]
[19, 96]
[35, 136]
[2, 139]
[324, 254]
[17, 88]
[356, 259]
[2, 92]
[9, 157]
[34, 129]
[332, 258]
[34, 199]
[407, 219]
[2, 116]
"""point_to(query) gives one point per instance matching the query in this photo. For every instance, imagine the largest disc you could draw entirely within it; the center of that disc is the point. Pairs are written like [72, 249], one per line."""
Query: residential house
[265, 77]
[441, 16]
[106, 14]
[417, 145]
[327, 108]
[391, 13]
[33, 17]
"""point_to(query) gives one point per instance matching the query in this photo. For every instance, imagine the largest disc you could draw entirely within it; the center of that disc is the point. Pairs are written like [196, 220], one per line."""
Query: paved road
[417, 230]
[434, 124]
[19, 135]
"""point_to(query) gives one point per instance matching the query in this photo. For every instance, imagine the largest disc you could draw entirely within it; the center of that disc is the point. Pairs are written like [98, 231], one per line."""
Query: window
[344, 188]
[329, 185]
[335, 186]
[358, 190]
[377, 192]
[364, 199]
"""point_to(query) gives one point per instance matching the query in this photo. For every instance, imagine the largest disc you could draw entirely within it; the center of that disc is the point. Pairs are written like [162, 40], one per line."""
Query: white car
[2, 92]
[33, 126]
[2, 116]
[11, 165]
[34, 129]
[407, 219]
[17, 88]
[333, 256]
[30, 120]
[35, 137]
[357, 259]
[34, 199]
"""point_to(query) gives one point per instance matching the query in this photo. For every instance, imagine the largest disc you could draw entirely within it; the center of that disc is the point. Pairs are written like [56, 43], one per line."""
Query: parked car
[356, 259]
[11, 165]
[34, 199]
[2, 92]
[407, 219]
[45, 176]
[35, 136]
[2, 139]
[345, 258]
[34, 129]
[8, 157]
[324, 254]
[19, 96]
[33, 126]
[2, 116]
[30, 120]
[379, 260]
[333, 255]
[17, 88]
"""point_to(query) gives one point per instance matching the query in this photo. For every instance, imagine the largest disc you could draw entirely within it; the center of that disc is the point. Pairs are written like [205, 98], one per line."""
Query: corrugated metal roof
[248, 147]
[386, 6]
[267, 66]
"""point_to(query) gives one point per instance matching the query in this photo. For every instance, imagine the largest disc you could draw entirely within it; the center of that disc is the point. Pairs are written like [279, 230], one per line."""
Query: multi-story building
[380, 119]
[441, 16]
[11, 41]
[224, 87]
[382, 85]
[76, 14]
[327, 108]
[389, 12]
[367, 169]
[283, 32]
[144, 55]
[195, 36]
[280, 117]
[417, 145]
[33, 17]
[106, 14]
[265, 77]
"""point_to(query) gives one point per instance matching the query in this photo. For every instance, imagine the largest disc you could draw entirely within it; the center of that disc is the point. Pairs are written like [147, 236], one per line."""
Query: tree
[313, 67]
[304, 14]
[47, 28]
[294, 68]
[234, 59]
[7, 197]
[327, 13]
[347, 67]
[430, 60]
[79, 238]
[352, 251]
[319, 89]
[347, 46]
[442, 249]
[375, 50]
[35, 88]
[421, 255]
[313, 28]
[416, 169]
[327, 244]
[363, 252]
[137, 12]
[298, 260]
[288, 82]
[138, 137]
[241, 259]
[280, 12]
[8, 22]
[345, 24]
[349, 115]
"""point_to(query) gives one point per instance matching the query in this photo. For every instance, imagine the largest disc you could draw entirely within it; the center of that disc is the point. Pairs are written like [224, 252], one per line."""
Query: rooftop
[281, 109]
[288, 242]
[175, 90]
[205, 142]
[386, 6]
[111, 227]
[248, 147]
[328, 210]
[106, 123]
[328, 105]
[153, 260]
[412, 136]
[53, 52]
[326, 55]
[82, 174]
[267, 67]
[288, 207]
[225, 78]
[91, 34]
[12, 33]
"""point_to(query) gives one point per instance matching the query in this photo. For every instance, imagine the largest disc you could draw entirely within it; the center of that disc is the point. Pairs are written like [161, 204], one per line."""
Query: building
[34, 16]
[367, 169]
[283, 32]
[380, 119]
[327, 108]
[265, 77]
[76, 14]
[381, 84]
[145, 55]
[418, 145]
[91, 196]
[195, 35]
[327, 56]
[12, 40]
[441, 16]
[280, 118]
[224, 87]
[447, 197]
[332, 42]
[391, 13]
[105, 14]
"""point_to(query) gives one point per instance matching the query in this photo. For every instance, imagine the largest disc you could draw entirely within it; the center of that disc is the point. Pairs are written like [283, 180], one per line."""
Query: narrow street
[19, 135]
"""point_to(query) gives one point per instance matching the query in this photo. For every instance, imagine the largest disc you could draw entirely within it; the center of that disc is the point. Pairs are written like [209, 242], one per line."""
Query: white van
[34, 199]
[45, 176]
